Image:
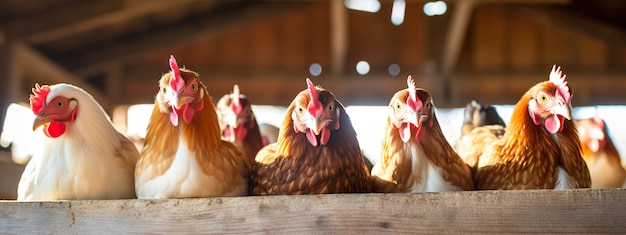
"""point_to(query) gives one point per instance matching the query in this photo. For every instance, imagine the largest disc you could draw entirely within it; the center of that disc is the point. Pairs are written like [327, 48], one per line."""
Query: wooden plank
[524, 211]
[35, 217]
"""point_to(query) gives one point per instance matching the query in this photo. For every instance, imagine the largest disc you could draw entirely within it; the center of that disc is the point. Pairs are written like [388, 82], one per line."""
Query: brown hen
[416, 157]
[238, 124]
[540, 148]
[317, 150]
[600, 154]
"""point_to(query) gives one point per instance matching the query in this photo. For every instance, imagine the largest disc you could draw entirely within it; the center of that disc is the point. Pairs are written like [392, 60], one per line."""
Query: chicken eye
[398, 107]
[330, 107]
[60, 104]
[428, 105]
[300, 110]
[194, 86]
[163, 90]
[543, 98]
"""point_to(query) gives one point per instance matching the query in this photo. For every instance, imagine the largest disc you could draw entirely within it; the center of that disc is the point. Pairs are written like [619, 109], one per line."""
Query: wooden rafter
[32, 64]
[124, 14]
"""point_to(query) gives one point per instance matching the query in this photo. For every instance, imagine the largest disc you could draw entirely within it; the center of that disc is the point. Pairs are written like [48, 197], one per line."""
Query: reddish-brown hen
[600, 154]
[238, 123]
[317, 150]
[416, 157]
[183, 155]
[540, 148]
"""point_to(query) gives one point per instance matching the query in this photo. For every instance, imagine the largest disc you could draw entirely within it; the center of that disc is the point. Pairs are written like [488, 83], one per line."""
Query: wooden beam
[562, 18]
[338, 37]
[59, 17]
[523, 211]
[126, 13]
[200, 27]
[43, 70]
[456, 35]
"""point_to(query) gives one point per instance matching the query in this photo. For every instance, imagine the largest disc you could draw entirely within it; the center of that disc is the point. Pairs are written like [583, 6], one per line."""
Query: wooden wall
[504, 53]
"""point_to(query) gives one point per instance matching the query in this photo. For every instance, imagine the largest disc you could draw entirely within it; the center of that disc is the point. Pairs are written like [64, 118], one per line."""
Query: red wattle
[311, 137]
[54, 129]
[325, 136]
[174, 116]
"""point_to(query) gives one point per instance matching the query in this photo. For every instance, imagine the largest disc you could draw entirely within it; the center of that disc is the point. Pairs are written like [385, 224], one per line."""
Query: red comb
[38, 98]
[558, 79]
[236, 104]
[315, 106]
[176, 82]
[412, 100]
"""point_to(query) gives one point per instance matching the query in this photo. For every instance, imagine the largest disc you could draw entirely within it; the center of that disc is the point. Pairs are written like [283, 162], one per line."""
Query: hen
[317, 150]
[600, 154]
[540, 148]
[183, 155]
[238, 124]
[82, 155]
[492, 129]
[415, 156]
[477, 115]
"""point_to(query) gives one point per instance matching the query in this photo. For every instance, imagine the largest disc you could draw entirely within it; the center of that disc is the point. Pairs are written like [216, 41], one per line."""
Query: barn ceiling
[85, 39]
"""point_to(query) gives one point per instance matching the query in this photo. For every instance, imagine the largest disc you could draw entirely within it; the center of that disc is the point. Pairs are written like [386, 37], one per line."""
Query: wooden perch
[526, 211]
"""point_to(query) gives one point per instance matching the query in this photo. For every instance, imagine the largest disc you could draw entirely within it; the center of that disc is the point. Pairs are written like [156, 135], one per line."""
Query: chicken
[416, 157]
[82, 155]
[600, 154]
[493, 127]
[183, 155]
[477, 115]
[317, 150]
[540, 147]
[238, 124]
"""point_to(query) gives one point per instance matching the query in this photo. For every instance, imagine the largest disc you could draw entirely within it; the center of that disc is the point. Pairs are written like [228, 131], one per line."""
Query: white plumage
[90, 160]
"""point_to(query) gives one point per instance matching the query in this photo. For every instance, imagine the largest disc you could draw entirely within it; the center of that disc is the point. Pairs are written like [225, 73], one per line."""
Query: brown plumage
[317, 151]
[540, 148]
[477, 115]
[183, 155]
[416, 157]
[238, 124]
[600, 154]
[493, 127]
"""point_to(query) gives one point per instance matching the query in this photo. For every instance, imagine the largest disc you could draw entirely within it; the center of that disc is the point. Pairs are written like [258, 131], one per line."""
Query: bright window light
[435, 8]
[138, 118]
[315, 69]
[362, 67]
[397, 12]
[18, 133]
[363, 5]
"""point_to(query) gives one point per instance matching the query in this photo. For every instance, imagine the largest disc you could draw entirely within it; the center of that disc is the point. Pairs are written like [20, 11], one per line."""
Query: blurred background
[361, 50]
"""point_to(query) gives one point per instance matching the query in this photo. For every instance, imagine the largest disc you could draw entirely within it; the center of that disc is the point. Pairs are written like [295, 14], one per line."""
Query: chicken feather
[540, 147]
[422, 160]
[187, 158]
[305, 162]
